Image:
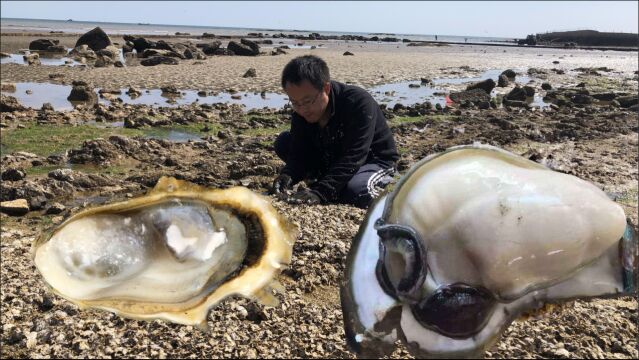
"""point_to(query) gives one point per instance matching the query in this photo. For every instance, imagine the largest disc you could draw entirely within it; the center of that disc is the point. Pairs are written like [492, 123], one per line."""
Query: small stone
[46, 304]
[55, 208]
[348, 53]
[17, 207]
[15, 336]
[13, 174]
[250, 73]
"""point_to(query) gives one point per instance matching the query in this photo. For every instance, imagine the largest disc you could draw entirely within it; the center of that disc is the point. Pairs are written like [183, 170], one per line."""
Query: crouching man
[339, 139]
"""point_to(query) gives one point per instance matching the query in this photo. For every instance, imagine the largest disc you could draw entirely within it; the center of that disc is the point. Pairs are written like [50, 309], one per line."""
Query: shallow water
[50, 59]
[388, 94]
[57, 95]
[393, 93]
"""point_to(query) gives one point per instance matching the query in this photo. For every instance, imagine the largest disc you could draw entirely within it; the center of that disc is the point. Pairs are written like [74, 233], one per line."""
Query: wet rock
[8, 87]
[222, 134]
[604, 96]
[157, 60]
[530, 91]
[95, 39]
[159, 52]
[171, 162]
[209, 48]
[32, 59]
[118, 64]
[244, 48]
[139, 43]
[13, 174]
[98, 151]
[414, 86]
[515, 103]
[103, 61]
[16, 207]
[487, 85]
[509, 73]
[348, 53]
[194, 53]
[475, 96]
[82, 51]
[4, 55]
[133, 92]
[426, 81]
[37, 202]
[250, 73]
[10, 104]
[57, 49]
[82, 92]
[55, 208]
[56, 76]
[225, 52]
[15, 336]
[503, 123]
[517, 94]
[581, 99]
[546, 86]
[110, 51]
[627, 101]
[278, 51]
[45, 304]
[170, 90]
[46, 107]
[503, 81]
[43, 44]
[484, 105]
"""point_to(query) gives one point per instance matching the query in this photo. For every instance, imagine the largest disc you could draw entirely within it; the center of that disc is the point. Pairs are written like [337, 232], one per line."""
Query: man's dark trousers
[361, 189]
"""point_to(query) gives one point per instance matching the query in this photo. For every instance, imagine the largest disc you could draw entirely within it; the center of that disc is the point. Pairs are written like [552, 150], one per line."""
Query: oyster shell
[171, 254]
[469, 240]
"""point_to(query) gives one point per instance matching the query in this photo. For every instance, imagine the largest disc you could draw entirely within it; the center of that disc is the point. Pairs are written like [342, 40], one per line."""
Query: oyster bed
[598, 144]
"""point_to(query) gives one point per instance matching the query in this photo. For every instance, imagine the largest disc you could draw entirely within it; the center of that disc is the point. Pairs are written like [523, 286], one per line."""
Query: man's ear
[327, 87]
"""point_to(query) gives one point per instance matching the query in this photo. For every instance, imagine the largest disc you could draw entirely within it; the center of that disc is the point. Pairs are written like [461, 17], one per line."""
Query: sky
[479, 18]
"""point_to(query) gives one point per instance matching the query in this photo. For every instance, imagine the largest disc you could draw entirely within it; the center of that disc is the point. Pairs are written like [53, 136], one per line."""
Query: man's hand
[308, 197]
[282, 182]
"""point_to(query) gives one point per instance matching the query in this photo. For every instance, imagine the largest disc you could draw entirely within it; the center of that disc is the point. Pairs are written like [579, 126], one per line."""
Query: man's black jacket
[356, 134]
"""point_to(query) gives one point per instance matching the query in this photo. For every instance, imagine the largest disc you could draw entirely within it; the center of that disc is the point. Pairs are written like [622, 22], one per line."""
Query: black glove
[308, 197]
[282, 182]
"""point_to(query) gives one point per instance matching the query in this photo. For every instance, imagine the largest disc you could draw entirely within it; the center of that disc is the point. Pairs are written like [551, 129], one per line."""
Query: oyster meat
[469, 240]
[171, 254]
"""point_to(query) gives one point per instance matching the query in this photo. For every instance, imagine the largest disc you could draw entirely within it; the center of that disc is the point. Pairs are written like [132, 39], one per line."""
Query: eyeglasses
[305, 104]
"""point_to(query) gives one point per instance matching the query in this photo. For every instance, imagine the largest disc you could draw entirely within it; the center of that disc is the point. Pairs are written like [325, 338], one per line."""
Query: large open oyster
[469, 240]
[171, 254]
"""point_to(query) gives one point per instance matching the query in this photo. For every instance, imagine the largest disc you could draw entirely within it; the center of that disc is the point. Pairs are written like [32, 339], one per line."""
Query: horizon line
[263, 29]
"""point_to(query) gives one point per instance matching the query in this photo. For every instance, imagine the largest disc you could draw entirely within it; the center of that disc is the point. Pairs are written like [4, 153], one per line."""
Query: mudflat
[68, 160]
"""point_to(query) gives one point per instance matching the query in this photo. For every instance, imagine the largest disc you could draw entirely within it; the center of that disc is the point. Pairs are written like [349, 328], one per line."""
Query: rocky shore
[55, 163]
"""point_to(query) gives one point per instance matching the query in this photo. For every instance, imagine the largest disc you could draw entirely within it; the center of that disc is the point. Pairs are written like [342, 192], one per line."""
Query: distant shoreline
[223, 29]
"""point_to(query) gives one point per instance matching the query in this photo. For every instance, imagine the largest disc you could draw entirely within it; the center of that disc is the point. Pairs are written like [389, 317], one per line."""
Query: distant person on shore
[339, 139]
[435, 37]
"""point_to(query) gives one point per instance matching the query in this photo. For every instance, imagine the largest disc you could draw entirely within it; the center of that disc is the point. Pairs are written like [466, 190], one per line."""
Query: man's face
[307, 101]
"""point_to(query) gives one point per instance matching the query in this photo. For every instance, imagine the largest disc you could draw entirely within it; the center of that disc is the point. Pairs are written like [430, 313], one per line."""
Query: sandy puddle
[389, 94]
[51, 59]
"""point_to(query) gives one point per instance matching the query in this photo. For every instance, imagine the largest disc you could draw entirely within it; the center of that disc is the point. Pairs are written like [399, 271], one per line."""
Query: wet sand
[372, 64]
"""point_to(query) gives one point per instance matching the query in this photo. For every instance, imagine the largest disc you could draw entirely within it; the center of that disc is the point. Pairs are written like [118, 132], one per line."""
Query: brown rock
[17, 207]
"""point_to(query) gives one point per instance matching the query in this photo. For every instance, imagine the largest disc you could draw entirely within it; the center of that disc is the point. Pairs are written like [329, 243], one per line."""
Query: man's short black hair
[307, 67]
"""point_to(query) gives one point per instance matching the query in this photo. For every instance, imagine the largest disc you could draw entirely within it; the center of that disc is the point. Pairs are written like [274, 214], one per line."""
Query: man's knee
[365, 185]
[283, 145]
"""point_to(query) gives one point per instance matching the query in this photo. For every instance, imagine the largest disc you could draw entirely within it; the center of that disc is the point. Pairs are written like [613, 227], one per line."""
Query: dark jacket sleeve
[295, 166]
[358, 136]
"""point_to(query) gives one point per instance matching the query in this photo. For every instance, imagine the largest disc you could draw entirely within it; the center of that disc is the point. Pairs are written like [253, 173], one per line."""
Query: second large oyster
[172, 254]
